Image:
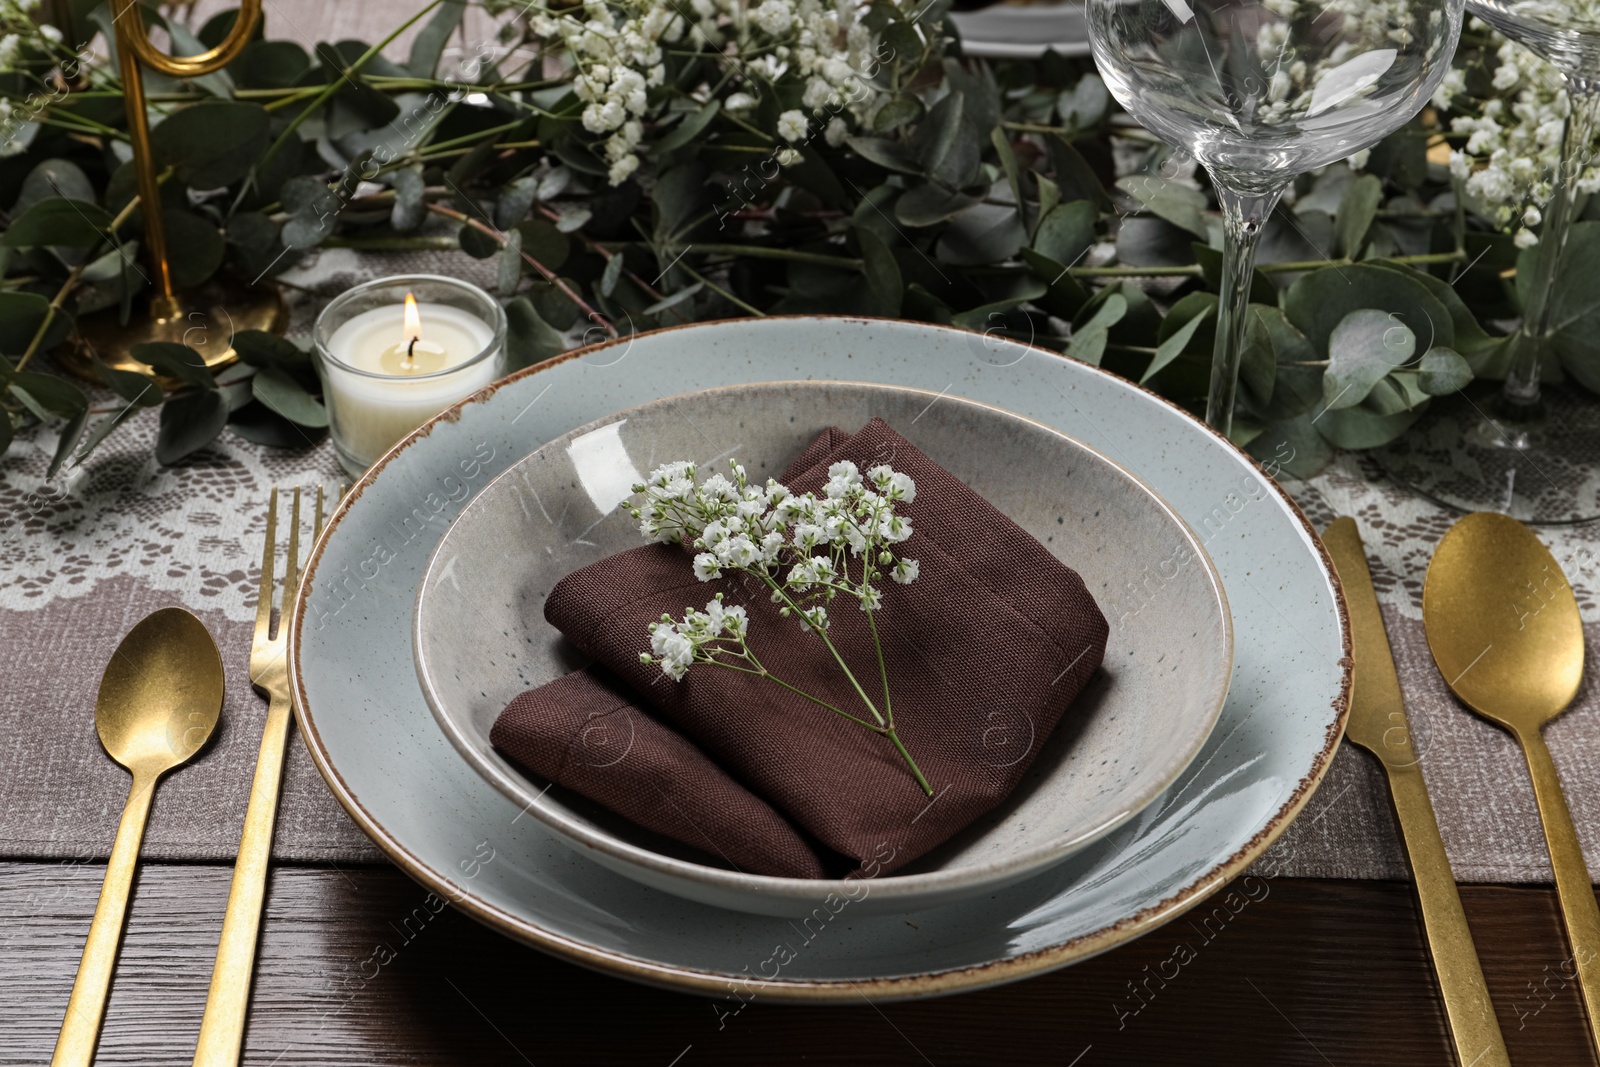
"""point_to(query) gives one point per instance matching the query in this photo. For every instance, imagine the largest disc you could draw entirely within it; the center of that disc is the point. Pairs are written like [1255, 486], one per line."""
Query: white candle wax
[372, 411]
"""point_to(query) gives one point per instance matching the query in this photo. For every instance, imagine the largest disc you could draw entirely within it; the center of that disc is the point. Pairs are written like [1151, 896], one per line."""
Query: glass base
[1543, 469]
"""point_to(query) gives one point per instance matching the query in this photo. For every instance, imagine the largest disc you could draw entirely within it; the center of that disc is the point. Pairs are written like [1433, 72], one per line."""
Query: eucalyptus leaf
[71, 434]
[103, 428]
[56, 396]
[1365, 346]
[1358, 428]
[475, 243]
[428, 45]
[1066, 233]
[545, 243]
[280, 393]
[409, 210]
[195, 248]
[1085, 103]
[190, 420]
[1178, 204]
[175, 361]
[1064, 296]
[139, 390]
[947, 143]
[529, 338]
[611, 275]
[667, 303]
[901, 109]
[58, 221]
[690, 128]
[513, 203]
[928, 205]
[1291, 446]
[882, 273]
[887, 154]
[508, 273]
[1089, 340]
[21, 315]
[1173, 347]
[263, 426]
[1443, 372]
[1319, 301]
[50, 179]
[211, 145]
[1357, 209]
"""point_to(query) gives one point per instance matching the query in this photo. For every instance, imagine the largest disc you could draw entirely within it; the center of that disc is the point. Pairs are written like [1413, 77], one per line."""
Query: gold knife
[1378, 724]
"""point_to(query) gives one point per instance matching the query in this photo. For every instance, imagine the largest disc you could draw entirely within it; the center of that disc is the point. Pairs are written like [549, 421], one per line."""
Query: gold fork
[222, 1029]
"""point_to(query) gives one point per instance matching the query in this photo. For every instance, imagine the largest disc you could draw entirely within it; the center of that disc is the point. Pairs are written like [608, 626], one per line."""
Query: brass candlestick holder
[207, 316]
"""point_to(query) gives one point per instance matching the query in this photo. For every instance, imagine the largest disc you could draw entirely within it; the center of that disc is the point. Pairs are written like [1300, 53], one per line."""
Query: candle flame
[413, 321]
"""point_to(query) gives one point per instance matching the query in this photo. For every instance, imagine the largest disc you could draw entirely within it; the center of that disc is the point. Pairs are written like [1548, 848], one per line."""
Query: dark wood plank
[1312, 973]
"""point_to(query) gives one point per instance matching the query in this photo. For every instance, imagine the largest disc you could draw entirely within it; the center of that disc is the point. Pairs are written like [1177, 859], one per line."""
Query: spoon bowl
[1502, 622]
[159, 700]
[161, 694]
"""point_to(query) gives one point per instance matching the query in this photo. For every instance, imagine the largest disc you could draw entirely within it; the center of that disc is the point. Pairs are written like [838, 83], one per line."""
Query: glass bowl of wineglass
[1259, 91]
[1530, 451]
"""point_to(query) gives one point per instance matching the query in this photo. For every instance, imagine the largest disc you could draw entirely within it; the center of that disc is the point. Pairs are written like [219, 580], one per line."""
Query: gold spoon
[159, 701]
[1503, 626]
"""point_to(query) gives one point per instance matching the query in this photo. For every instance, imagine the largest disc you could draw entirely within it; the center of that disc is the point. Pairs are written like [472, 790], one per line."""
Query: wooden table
[1316, 973]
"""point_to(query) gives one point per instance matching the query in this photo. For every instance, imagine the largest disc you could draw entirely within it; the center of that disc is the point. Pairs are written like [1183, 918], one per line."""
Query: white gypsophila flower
[792, 126]
[905, 571]
[616, 51]
[707, 567]
[788, 157]
[1513, 148]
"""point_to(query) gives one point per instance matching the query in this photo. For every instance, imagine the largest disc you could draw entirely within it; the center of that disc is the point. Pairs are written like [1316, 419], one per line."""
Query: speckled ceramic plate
[481, 637]
[371, 734]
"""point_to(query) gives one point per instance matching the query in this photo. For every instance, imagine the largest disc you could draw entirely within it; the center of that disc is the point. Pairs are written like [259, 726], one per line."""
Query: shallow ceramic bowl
[481, 638]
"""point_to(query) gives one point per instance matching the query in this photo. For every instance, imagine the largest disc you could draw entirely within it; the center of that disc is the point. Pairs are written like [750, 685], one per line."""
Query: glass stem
[1520, 396]
[1245, 211]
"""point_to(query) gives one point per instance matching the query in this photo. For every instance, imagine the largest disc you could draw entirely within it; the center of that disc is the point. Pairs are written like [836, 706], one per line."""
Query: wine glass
[1262, 90]
[1468, 456]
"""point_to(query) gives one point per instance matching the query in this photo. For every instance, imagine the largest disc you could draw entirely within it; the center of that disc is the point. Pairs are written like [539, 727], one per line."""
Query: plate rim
[891, 887]
[931, 983]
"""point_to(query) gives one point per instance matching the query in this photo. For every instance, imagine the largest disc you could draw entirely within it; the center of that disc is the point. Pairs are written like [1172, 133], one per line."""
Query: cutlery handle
[1573, 887]
[1473, 1026]
[80, 1029]
[228, 1002]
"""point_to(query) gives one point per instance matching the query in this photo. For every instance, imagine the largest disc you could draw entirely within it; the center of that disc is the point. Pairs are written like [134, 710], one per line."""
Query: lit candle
[388, 368]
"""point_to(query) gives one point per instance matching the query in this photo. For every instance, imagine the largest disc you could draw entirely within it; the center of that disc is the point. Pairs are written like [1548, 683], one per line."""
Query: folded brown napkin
[985, 650]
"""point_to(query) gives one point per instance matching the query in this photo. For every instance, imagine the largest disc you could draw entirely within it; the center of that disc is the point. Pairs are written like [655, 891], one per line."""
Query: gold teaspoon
[1503, 626]
[159, 701]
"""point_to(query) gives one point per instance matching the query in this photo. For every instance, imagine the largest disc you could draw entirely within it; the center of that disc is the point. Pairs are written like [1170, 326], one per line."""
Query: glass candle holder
[394, 352]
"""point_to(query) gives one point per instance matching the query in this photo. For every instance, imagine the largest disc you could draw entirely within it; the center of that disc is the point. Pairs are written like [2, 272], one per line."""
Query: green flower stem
[720, 291]
[763, 673]
[887, 729]
[790, 254]
[472, 140]
[327, 91]
[837, 658]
